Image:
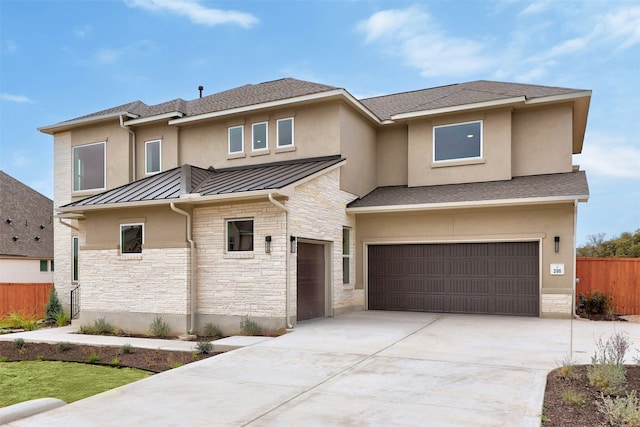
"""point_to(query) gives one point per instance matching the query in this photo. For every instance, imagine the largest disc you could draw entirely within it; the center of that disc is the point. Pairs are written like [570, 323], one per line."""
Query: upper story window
[458, 141]
[284, 130]
[236, 139]
[131, 238]
[240, 235]
[153, 156]
[89, 166]
[259, 136]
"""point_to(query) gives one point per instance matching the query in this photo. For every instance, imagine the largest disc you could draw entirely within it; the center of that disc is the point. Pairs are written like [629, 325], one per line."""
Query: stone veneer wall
[318, 213]
[556, 305]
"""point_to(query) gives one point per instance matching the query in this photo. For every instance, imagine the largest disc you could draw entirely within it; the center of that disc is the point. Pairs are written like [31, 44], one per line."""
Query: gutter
[192, 276]
[133, 135]
[287, 259]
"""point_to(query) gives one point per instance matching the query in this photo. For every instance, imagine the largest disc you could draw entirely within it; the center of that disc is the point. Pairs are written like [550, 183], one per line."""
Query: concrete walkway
[365, 368]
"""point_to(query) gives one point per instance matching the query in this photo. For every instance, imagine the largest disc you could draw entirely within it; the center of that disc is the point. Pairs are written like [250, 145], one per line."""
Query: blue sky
[63, 59]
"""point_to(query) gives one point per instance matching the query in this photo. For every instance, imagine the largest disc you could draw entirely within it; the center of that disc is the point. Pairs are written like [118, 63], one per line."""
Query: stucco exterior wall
[540, 223]
[393, 157]
[494, 165]
[318, 214]
[358, 146]
[542, 140]
[168, 135]
[14, 270]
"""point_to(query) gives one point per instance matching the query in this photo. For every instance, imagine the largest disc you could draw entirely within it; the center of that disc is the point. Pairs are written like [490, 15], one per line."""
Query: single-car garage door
[485, 278]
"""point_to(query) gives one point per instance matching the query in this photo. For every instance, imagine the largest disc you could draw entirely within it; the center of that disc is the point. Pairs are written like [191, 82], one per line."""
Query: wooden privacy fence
[616, 277]
[25, 298]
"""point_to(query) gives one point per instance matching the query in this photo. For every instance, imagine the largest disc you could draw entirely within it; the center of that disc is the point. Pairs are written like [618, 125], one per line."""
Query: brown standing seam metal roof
[210, 182]
[384, 107]
[523, 187]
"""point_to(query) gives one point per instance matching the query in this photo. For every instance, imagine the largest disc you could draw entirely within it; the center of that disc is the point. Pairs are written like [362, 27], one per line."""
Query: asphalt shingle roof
[521, 187]
[210, 182]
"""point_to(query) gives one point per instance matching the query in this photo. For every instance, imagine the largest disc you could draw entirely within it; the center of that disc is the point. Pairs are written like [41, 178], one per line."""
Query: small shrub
[102, 327]
[19, 343]
[28, 322]
[176, 365]
[63, 346]
[53, 307]
[211, 330]
[115, 361]
[597, 303]
[39, 357]
[126, 349]
[195, 355]
[621, 411]
[204, 347]
[159, 327]
[93, 358]
[62, 318]
[608, 378]
[568, 369]
[613, 351]
[573, 398]
[249, 327]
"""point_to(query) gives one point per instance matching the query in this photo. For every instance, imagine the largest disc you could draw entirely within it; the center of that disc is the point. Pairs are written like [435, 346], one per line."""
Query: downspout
[287, 258]
[192, 276]
[67, 224]
[133, 156]
[575, 279]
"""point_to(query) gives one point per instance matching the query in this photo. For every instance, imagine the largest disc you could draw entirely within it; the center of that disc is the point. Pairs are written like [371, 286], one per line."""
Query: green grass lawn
[22, 381]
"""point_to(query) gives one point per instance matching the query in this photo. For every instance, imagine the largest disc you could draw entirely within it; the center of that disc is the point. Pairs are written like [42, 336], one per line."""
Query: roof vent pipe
[200, 88]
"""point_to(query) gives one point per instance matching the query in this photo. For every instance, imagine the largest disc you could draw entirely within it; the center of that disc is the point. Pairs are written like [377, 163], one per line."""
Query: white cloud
[108, 56]
[20, 99]
[10, 46]
[196, 12]
[621, 26]
[535, 8]
[83, 31]
[411, 34]
[20, 159]
[610, 156]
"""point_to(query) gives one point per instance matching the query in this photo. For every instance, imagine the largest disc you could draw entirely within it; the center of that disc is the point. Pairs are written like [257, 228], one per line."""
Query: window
[44, 264]
[239, 235]
[459, 141]
[346, 255]
[75, 258]
[285, 132]
[52, 265]
[131, 238]
[153, 156]
[236, 139]
[259, 134]
[89, 166]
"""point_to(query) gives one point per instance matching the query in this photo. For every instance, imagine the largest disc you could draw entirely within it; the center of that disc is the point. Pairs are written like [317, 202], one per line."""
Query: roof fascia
[559, 98]
[51, 129]
[465, 205]
[464, 107]
[142, 120]
[281, 102]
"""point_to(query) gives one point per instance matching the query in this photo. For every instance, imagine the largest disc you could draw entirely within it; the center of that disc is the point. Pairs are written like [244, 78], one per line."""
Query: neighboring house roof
[26, 228]
[519, 190]
[210, 183]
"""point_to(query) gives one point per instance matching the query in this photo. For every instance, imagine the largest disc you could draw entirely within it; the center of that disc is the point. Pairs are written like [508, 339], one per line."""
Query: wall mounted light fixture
[267, 244]
[556, 241]
[292, 240]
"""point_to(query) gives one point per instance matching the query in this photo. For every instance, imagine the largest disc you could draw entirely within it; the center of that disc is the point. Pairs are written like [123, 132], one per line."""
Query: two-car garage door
[484, 278]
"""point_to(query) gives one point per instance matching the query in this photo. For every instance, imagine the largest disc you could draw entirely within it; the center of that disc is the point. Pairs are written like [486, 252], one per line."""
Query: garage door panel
[491, 278]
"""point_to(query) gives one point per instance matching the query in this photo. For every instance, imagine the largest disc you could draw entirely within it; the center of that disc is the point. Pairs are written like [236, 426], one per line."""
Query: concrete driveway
[365, 368]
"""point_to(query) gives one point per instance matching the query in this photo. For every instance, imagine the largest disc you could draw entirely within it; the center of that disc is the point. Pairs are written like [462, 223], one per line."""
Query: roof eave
[334, 93]
[156, 118]
[456, 108]
[468, 204]
[58, 127]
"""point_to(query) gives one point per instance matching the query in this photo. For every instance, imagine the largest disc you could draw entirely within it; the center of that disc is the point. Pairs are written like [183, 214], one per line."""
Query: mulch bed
[147, 359]
[558, 413]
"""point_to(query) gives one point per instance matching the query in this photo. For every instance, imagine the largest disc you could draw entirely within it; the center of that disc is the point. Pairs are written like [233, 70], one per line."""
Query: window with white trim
[131, 238]
[76, 250]
[236, 139]
[260, 136]
[89, 168]
[284, 132]
[457, 142]
[346, 255]
[44, 265]
[153, 156]
[240, 234]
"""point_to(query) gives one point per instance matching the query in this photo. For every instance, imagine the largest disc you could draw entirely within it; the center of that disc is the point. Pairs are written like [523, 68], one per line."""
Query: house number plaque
[557, 269]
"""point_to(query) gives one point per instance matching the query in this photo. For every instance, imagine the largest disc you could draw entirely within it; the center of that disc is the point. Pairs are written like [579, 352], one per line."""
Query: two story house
[290, 200]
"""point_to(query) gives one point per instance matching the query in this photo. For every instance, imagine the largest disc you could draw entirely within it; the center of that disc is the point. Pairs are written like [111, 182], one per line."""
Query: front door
[311, 281]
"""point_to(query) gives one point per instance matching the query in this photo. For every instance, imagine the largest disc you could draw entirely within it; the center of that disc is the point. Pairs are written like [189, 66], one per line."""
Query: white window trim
[121, 242]
[73, 168]
[146, 156]
[481, 156]
[226, 234]
[266, 147]
[75, 239]
[293, 138]
[347, 255]
[241, 127]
